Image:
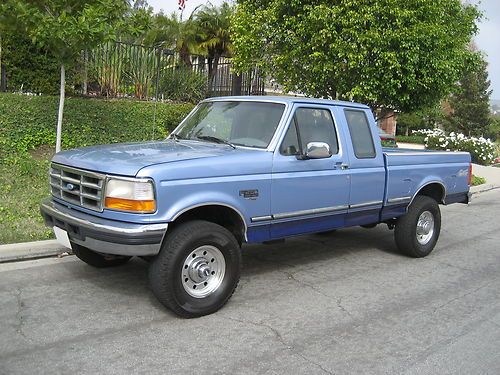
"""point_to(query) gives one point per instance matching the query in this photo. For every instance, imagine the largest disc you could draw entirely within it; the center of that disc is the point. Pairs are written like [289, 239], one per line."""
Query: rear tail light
[469, 178]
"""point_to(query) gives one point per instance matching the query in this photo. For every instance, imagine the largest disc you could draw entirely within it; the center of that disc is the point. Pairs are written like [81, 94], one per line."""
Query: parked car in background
[245, 170]
[388, 140]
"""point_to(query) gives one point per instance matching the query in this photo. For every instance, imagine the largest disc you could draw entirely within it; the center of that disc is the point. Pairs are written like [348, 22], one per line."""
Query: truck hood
[128, 158]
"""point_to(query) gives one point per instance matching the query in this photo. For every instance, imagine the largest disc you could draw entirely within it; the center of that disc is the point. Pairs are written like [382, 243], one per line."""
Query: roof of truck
[289, 99]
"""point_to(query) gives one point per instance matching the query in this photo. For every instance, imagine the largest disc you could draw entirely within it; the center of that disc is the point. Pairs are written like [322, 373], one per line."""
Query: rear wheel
[98, 260]
[417, 232]
[197, 269]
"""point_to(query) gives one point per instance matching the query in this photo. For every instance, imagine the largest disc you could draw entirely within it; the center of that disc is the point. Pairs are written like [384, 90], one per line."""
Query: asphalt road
[338, 304]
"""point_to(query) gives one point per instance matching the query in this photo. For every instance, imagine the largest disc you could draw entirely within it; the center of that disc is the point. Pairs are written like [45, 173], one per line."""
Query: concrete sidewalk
[491, 174]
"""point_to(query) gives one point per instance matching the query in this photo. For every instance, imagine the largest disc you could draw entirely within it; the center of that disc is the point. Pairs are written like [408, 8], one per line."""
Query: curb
[31, 250]
[482, 188]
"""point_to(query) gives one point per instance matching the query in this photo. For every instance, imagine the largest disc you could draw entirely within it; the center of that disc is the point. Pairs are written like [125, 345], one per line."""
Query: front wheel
[417, 232]
[197, 269]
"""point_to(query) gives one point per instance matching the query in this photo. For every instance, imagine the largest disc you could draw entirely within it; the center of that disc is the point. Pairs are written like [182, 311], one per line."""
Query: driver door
[309, 195]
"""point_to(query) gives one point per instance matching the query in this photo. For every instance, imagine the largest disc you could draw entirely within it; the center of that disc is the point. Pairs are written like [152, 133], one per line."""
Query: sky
[487, 40]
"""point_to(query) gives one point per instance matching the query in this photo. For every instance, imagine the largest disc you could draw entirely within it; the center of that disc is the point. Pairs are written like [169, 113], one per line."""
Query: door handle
[341, 165]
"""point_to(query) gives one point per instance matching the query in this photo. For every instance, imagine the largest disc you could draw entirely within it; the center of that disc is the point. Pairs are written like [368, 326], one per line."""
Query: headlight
[134, 195]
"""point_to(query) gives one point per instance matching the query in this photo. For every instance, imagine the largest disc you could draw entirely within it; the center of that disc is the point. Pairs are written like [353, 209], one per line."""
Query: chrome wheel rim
[425, 227]
[203, 271]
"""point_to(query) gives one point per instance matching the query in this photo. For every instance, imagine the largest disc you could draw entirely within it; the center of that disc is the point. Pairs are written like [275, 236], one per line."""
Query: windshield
[243, 123]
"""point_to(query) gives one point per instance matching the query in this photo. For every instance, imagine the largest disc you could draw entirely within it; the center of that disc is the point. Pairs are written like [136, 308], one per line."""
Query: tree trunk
[61, 108]
[3, 80]
[85, 70]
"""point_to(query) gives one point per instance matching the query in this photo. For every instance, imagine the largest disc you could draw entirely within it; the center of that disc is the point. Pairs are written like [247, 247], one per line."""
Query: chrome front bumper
[104, 235]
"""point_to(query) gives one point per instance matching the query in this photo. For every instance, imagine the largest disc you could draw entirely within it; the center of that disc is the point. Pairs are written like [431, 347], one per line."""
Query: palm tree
[171, 32]
[216, 38]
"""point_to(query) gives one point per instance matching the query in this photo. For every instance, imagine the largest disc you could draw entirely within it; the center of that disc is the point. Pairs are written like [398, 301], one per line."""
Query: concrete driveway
[338, 304]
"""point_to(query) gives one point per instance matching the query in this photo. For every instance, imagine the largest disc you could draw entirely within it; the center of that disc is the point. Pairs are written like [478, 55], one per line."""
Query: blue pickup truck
[244, 170]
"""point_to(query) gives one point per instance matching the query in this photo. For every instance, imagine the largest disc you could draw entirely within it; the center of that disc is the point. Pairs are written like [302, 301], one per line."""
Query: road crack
[291, 276]
[463, 296]
[282, 341]
[19, 316]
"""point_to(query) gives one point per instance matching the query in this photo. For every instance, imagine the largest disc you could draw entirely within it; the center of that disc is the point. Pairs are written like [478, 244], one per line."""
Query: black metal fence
[119, 69]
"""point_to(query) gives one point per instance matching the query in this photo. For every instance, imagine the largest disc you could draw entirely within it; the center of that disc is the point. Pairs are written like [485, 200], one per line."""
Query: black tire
[96, 259]
[369, 226]
[406, 228]
[169, 277]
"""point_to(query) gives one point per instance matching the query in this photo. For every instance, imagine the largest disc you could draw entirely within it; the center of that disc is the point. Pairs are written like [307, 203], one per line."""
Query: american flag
[182, 4]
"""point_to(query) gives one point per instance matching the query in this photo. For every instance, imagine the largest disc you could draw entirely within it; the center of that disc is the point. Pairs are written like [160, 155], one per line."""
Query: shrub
[482, 150]
[183, 84]
[476, 180]
[419, 139]
[27, 122]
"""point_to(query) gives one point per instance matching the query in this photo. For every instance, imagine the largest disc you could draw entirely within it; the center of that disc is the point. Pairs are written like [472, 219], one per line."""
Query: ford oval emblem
[70, 187]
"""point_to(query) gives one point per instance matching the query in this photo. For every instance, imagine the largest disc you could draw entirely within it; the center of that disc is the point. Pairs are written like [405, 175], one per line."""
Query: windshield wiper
[211, 138]
[175, 136]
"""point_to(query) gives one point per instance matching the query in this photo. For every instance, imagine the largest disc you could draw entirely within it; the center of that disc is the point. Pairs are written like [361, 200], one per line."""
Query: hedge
[27, 122]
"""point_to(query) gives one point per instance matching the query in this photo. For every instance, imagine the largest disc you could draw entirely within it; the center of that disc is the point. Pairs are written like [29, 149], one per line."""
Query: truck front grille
[77, 186]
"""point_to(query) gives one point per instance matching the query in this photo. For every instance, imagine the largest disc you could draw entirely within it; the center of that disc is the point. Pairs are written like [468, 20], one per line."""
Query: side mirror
[317, 150]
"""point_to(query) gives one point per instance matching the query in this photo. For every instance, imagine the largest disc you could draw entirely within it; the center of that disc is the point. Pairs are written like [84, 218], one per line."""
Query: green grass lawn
[22, 187]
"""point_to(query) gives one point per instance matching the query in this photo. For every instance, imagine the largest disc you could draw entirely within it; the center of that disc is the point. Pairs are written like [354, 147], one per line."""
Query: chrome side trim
[398, 200]
[430, 152]
[258, 219]
[313, 211]
[366, 204]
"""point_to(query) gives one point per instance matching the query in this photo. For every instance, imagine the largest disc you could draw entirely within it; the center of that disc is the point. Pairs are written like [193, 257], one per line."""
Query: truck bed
[409, 169]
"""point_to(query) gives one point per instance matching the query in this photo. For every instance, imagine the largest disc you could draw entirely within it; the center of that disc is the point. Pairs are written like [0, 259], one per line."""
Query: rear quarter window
[361, 136]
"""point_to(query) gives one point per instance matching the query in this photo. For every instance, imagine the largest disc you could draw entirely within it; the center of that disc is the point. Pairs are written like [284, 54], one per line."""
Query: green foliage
[399, 54]
[417, 139]
[470, 103]
[183, 85]
[27, 122]
[27, 126]
[20, 218]
[421, 119]
[214, 24]
[30, 67]
[476, 180]
[64, 27]
[494, 128]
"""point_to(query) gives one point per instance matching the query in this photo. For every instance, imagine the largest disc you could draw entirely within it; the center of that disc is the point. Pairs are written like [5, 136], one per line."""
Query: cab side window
[361, 136]
[309, 125]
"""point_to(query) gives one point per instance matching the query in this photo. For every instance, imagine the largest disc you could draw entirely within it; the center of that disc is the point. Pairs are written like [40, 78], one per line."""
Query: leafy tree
[426, 118]
[65, 28]
[397, 54]
[494, 128]
[470, 104]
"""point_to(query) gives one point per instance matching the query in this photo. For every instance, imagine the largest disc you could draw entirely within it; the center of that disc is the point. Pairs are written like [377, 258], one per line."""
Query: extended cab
[244, 170]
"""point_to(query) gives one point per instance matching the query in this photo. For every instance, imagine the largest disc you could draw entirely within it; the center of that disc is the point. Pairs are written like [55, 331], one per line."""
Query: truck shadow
[304, 251]
[310, 249]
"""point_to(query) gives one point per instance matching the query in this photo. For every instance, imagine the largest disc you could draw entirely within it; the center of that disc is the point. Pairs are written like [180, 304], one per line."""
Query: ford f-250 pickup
[244, 170]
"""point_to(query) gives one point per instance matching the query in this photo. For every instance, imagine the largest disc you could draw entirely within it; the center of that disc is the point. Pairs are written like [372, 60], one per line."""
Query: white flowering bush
[482, 150]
